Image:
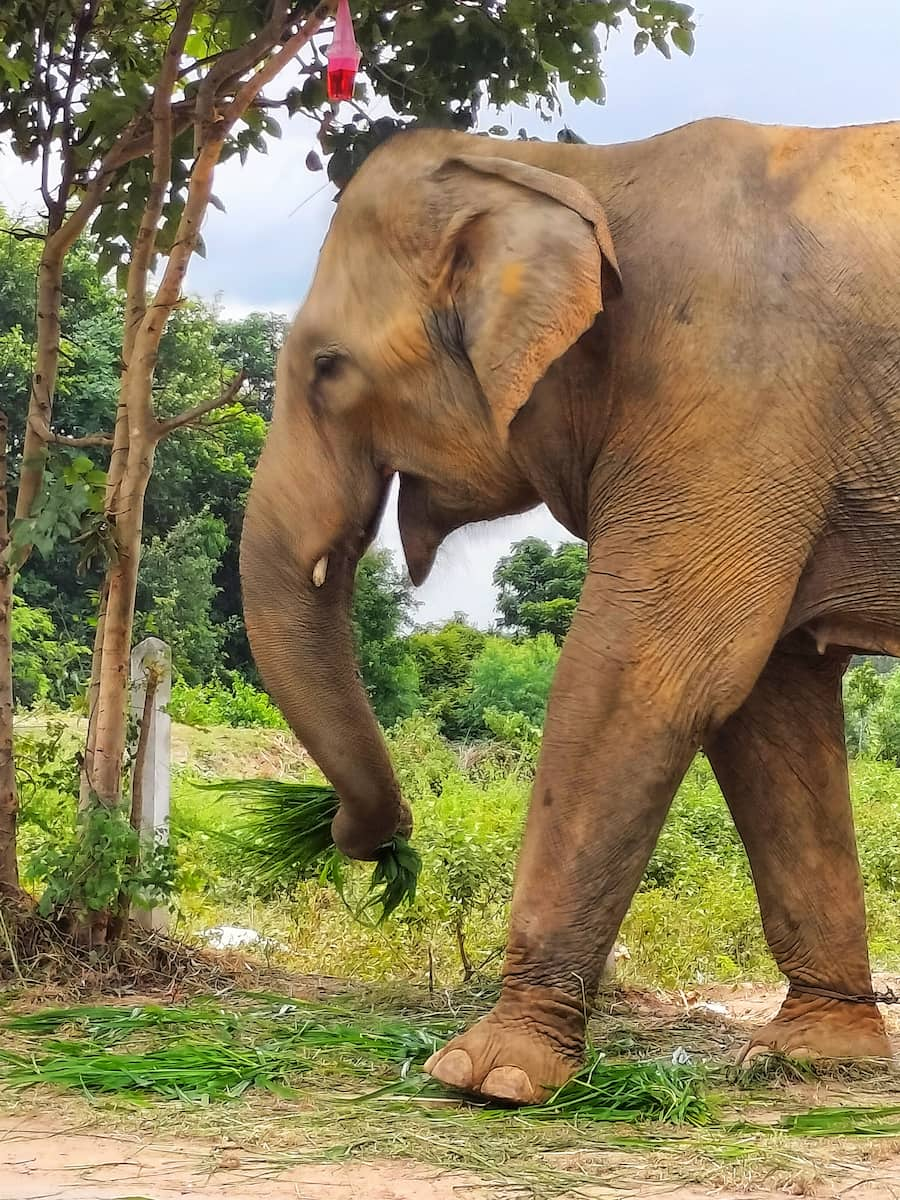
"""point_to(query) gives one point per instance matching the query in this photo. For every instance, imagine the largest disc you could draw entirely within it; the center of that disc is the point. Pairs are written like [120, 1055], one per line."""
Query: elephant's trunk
[300, 632]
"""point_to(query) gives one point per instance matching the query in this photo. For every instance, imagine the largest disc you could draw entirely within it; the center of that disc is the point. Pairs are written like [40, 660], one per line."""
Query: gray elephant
[689, 349]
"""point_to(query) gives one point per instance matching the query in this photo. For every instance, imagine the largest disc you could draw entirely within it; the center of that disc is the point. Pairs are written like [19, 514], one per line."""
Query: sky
[792, 62]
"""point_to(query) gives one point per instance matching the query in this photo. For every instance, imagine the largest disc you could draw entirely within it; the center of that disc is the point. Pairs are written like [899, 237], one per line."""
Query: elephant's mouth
[354, 542]
[422, 526]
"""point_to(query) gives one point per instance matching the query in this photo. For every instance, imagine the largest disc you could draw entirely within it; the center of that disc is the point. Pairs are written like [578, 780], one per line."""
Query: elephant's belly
[849, 594]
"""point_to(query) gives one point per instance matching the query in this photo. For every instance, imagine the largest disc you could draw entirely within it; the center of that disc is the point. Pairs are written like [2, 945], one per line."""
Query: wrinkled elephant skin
[689, 349]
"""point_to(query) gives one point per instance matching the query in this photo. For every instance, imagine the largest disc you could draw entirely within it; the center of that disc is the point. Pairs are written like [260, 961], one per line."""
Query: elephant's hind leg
[782, 764]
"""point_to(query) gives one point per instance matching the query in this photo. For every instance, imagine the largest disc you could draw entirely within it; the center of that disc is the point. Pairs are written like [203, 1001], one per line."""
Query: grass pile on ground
[303, 1082]
[204, 1052]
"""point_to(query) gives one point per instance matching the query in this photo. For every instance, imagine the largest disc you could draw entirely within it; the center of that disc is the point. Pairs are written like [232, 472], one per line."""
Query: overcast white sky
[801, 62]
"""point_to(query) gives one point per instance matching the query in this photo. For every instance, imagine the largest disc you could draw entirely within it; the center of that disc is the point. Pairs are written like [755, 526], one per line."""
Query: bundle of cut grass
[641, 1091]
[194, 1071]
[285, 836]
[880, 1121]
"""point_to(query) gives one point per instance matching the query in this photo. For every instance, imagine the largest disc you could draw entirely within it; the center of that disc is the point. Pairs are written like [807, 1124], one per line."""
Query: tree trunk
[9, 800]
[105, 751]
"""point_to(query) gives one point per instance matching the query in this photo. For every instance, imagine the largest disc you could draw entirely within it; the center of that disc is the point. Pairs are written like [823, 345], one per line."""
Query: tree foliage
[382, 606]
[539, 587]
[443, 61]
[444, 655]
[206, 470]
[512, 677]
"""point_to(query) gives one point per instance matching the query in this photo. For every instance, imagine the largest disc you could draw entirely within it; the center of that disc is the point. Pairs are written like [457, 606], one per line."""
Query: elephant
[688, 348]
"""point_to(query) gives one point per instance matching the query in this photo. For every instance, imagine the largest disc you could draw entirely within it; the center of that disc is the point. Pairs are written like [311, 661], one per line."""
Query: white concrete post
[153, 658]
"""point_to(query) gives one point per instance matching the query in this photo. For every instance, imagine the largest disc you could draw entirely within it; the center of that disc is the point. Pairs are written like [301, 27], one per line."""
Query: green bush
[102, 861]
[884, 721]
[48, 668]
[228, 701]
[443, 657]
[512, 677]
[872, 712]
[47, 779]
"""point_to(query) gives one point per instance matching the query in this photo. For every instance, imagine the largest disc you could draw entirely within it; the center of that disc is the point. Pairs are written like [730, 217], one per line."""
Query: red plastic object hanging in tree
[343, 56]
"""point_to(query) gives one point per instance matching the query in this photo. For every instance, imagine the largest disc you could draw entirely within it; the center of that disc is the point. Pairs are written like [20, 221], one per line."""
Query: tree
[203, 468]
[382, 605]
[539, 588]
[512, 677]
[137, 105]
[443, 656]
[176, 591]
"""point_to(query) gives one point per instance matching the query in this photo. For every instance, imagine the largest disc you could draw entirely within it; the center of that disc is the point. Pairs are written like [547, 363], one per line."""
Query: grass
[295, 1082]
[631, 1092]
[284, 835]
[197, 1071]
[266, 1047]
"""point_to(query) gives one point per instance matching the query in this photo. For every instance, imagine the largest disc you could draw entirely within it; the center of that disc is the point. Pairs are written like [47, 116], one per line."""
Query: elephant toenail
[748, 1053]
[509, 1083]
[453, 1068]
[802, 1052]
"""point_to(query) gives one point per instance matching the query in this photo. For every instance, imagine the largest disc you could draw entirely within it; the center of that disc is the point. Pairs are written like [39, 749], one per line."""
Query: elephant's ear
[524, 262]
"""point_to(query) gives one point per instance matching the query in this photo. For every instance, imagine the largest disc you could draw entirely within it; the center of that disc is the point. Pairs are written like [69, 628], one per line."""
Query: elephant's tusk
[320, 570]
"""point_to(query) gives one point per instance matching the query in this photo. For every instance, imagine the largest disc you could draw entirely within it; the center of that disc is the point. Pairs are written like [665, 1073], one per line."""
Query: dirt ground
[73, 1157]
[41, 1162]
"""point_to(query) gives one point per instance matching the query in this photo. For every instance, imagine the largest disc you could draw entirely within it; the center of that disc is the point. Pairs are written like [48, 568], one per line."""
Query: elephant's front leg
[621, 729]
[782, 764]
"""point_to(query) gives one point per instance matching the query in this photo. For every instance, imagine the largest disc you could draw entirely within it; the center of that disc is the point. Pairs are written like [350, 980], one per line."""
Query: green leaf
[683, 39]
[82, 465]
[641, 41]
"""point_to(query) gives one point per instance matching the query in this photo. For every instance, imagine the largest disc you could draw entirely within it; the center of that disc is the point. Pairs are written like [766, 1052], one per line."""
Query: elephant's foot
[810, 1027]
[510, 1057]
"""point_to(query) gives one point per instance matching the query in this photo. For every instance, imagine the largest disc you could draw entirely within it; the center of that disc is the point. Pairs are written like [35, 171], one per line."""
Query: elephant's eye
[327, 365]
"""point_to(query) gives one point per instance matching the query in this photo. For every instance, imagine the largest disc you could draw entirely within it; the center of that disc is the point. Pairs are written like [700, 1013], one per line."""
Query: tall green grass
[695, 918]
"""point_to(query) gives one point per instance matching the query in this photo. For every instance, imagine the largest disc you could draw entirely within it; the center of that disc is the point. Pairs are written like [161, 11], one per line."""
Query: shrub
[443, 657]
[228, 701]
[884, 721]
[863, 690]
[512, 677]
[872, 711]
[47, 668]
[47, 779]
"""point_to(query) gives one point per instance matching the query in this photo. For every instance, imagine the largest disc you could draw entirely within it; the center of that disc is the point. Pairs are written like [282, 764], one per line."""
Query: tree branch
[24, 235]
[231, 66]
[267, 72]
[90, 439]
[200, 187]
[145, 242]
[49, 437]
[193, 416]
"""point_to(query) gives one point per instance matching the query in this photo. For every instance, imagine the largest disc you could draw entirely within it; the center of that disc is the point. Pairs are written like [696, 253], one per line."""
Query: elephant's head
[450, 280]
